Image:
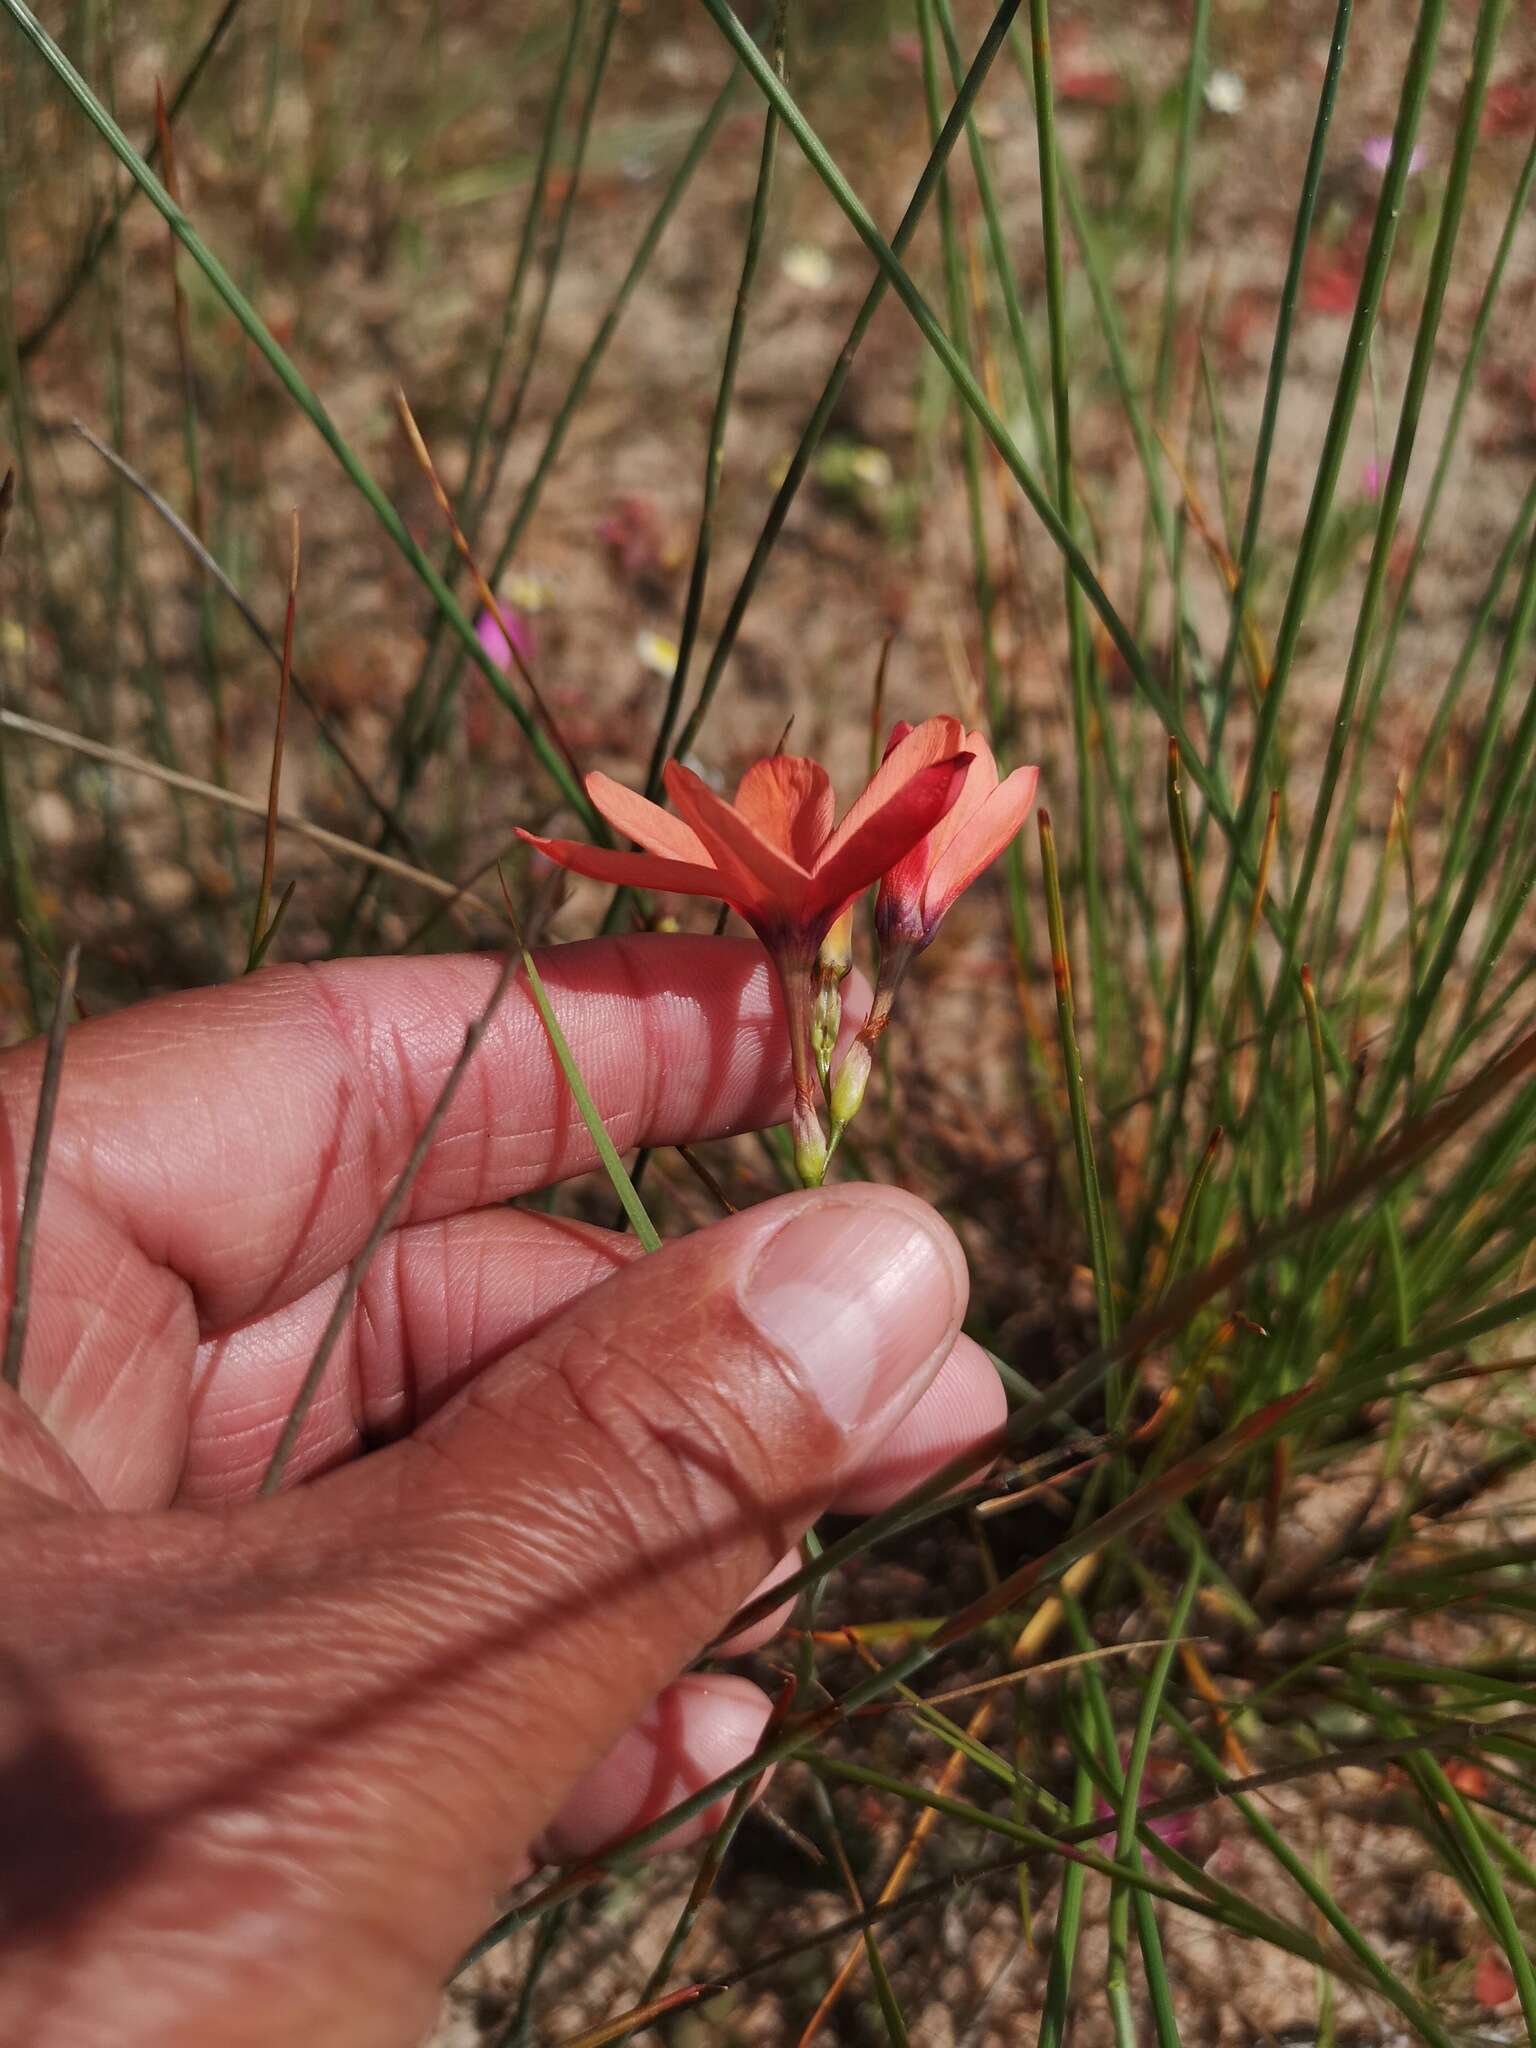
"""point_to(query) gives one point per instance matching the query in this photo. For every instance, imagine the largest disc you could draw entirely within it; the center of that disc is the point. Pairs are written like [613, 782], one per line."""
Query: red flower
[921, 887]
[775, 857]
[773, 854]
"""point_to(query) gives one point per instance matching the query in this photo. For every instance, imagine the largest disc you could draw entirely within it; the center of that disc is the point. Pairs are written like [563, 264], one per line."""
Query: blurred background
[530, 220]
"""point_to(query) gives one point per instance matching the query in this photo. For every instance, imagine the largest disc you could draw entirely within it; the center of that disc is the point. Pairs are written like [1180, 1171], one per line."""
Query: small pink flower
[1376, 154]
[1370, 479]
[495, 642]
[1182, 1832]
[920, 889]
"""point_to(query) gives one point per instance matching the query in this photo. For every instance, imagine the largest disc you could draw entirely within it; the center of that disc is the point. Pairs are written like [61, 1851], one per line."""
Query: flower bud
[810, 1143]
[833, 964]
[836, 956]
[849, 1083]
[826, 1021]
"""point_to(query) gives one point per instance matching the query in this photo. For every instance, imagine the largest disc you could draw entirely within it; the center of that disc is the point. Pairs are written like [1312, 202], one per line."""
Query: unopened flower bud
[849, 1083]
[810, 1143]
[826, 1021]
[836, 956]
[833, 964]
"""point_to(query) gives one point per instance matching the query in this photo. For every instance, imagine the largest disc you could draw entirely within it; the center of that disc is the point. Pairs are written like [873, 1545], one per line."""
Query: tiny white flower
[529, 593]
[1225, 93]
[807, 265]
[872, 466]
[656, 654]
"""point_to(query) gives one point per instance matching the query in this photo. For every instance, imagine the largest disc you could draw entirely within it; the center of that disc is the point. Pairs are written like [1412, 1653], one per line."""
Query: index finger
[245, 1136]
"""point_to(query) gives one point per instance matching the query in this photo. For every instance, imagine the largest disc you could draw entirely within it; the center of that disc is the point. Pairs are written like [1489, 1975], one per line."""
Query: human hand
[266, 1764]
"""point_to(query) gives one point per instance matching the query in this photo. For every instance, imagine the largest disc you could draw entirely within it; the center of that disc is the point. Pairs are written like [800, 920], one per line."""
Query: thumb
[321, 1731]
[607, 1497]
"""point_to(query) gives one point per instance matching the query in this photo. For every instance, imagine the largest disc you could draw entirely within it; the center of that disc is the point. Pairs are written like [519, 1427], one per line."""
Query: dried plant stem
[272, 1479]
[259, 928]
[37, 1168]
[101, 235]
[211, 567]
[482, 589]
[333, 842]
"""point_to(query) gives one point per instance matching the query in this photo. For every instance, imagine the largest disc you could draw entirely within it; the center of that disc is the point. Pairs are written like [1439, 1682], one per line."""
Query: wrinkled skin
[267, 1764]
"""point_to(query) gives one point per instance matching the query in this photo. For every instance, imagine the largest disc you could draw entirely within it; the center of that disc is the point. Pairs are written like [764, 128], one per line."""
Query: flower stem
[805, 1124]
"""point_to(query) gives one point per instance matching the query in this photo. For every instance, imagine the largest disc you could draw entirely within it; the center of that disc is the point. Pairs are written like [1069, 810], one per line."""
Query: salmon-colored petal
[789, 801]
[756, 867]
[886, 835]
[899, 732]
[980, 781]
[644, 822]
[978, 843]
[936, 739]
[635, 870]
[902, 886]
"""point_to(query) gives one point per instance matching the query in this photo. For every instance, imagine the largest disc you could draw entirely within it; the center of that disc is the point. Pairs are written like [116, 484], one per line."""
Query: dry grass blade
[272, 1478]
[333, 842]
[179, 302]
[1004, 1679]
[105, 225]
[211, 567]
[37, 1170]
[261, 932]
[483, 589]
[639, 2016]
[705, 1178]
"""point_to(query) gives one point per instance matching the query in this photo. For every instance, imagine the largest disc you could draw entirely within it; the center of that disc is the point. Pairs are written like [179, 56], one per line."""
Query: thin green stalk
[1127, 1784]
[1416, 80]
[1004, 268]
[522, 262]
[519, 2026]
[777, 95]
[560, 425]
[1274, 383]
[714, 456]
[1178, 210]
[1183, 1230]
[507, 426]
[1441, 1797]
[1086, 714]
[1206, 779]
[1447, 919]
[1319, 1082]
[1055, 2011]
[394, 1202]
[1490, 21]
[511, 310]
[1169, 1120]
[1318, 1895]
[1449, 442]
[1077, 1096]
[1173, 258]
[1432, 754]
[19, 1312]
[956, 298]
[104, 233]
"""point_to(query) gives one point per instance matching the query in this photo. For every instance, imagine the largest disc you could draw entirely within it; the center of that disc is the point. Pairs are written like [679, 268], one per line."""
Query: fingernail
[862, 1292]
